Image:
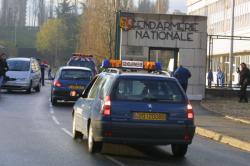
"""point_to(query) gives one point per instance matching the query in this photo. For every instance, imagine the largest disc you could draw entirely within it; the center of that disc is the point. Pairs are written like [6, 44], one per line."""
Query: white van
[24, 74]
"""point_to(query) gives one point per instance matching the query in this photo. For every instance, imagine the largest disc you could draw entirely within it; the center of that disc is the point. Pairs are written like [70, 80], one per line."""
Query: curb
[227, 116]
[223, 138]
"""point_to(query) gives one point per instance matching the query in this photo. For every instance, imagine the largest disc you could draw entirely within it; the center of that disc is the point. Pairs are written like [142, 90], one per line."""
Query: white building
[219, 23]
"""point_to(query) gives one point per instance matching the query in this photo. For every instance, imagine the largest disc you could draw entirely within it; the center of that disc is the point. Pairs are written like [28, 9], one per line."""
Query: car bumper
[141, 133]
[65, 95]
[16, 85]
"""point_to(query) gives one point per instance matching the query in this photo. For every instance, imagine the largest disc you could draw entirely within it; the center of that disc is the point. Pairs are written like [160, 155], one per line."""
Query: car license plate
[76, 87]
[149, 116]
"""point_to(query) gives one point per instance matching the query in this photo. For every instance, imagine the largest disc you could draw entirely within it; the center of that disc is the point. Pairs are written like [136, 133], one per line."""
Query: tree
[145, 6]
[51, 39]
[97, 32]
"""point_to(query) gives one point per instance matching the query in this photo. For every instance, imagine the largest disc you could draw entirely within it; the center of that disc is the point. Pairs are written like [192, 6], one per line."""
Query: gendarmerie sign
[158, 29]
[164, 30]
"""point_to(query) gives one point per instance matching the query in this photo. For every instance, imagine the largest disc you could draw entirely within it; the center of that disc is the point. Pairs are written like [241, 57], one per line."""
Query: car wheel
[28, 91]
[53, 101]
[38, 87]
[93, 146]
[76, 134]
[179, 150]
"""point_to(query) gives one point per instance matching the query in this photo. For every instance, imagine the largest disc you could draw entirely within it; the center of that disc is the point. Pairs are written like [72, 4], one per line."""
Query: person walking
[210, 78]
[218, 76]
[244, 81]
[3, 68]
[182, 74]
[42, 67]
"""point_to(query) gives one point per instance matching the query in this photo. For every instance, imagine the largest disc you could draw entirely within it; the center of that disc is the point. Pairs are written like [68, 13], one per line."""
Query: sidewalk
[217, 127]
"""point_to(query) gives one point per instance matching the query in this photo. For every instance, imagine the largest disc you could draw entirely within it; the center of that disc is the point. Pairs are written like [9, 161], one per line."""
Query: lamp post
[231, 58]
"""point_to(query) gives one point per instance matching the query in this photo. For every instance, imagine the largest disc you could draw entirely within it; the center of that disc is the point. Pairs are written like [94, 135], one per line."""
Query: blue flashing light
[105, 63]
[158, 66]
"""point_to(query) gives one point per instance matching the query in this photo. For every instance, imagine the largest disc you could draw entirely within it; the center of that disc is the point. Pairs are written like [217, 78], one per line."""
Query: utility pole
[231, 57]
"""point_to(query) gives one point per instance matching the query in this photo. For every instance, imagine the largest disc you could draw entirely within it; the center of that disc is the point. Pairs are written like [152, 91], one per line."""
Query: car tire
[93, 146]
[53, 101]
[76, 134]
[38, 87]
[179, 150]
[28, 91]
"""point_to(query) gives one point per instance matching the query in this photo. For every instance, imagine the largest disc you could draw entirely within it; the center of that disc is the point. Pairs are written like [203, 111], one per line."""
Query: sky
[178, 4]
[174, 5]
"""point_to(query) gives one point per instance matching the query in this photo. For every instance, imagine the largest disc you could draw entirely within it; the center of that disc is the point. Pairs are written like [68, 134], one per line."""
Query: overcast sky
[177, 4]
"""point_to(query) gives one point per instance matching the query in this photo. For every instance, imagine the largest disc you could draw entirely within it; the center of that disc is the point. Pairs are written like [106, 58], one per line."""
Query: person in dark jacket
[182, 75]
[210, 78]
[244, 81]
[3, 68]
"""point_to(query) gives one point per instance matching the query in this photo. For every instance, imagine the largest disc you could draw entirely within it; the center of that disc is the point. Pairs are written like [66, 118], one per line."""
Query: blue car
[69, 83]
[128, 107]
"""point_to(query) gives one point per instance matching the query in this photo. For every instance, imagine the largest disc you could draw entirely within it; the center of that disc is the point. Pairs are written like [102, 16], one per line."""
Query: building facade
[172, 40]
[219, 15]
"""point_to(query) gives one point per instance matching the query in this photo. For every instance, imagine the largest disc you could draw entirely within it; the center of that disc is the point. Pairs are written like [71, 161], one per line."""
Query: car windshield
[148, 90]
[75, 75]
[18, 65]
[82, 63]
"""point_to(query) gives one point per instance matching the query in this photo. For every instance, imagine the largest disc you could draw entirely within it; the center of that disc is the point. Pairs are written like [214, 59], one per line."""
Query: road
[35, 133]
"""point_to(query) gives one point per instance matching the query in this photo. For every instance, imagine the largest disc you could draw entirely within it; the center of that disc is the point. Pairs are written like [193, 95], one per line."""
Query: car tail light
[57, 84]
[190, 113]
[107, 106]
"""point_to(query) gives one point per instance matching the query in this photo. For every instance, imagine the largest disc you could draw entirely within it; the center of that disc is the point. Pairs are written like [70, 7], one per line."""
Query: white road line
[115, 161]
[55, 120]
[51, 111]
[50, 105]
[67, 132]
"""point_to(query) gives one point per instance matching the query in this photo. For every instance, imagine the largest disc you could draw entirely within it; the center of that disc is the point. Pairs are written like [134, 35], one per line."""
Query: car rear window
[148, 90]
[82, 63]
[76, 75]
[15, 65]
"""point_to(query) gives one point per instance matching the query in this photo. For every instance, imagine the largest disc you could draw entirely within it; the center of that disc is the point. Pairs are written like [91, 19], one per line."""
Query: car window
[18, 65]
[105, 85]
[82, 63]
[93, 91]
[148, 89]
[67, 74]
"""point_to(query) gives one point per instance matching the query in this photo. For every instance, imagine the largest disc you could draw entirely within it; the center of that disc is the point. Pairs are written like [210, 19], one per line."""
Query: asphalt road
[32, 132]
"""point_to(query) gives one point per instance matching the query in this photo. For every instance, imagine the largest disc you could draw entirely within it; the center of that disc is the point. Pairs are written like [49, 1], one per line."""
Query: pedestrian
[222, 79]
[244, 81]
[210, 78]
[49, 73]
[3, 68]
[42, 67]
[218, 76]
[182, 74]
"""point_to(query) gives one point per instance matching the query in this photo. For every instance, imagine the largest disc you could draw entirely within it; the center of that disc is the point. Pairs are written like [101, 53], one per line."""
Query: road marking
[237, 119]
[55, 120]
[115, 161]
[51, 111]
[67, 132]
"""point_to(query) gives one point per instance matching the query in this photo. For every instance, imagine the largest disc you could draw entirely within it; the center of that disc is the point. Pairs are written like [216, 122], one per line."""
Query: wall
[186, 33]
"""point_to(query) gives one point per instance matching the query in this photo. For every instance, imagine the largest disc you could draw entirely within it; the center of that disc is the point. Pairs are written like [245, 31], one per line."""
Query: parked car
[81, 60]
[69, 83]
[24, 74]
[134, 108]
